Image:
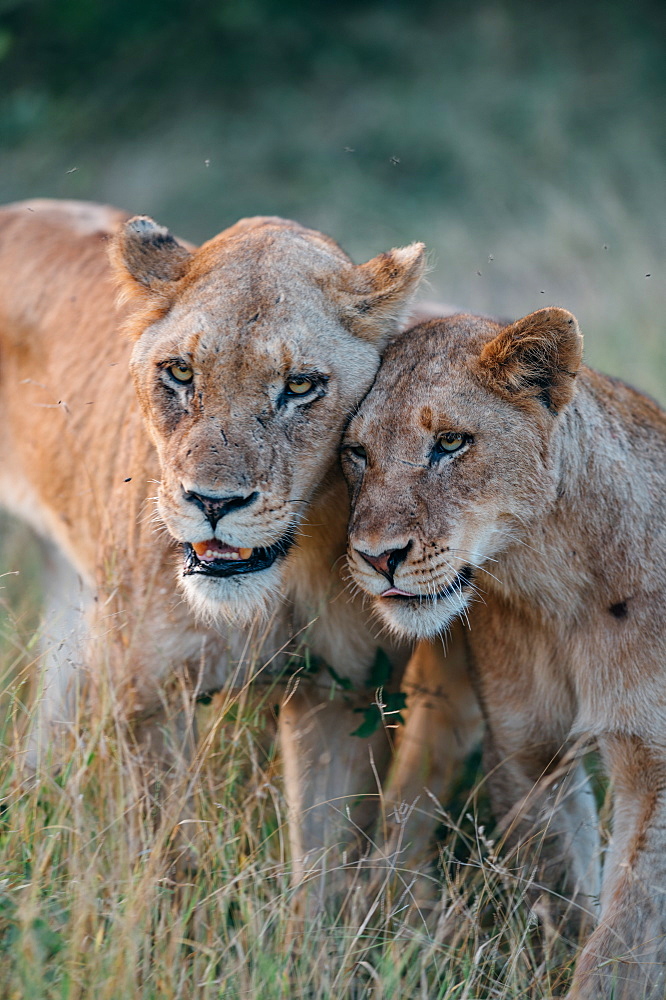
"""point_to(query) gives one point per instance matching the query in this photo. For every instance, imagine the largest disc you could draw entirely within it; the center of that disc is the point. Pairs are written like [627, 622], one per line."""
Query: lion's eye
[449, 443]
[299, 386]
[182, 373]
[357, 451]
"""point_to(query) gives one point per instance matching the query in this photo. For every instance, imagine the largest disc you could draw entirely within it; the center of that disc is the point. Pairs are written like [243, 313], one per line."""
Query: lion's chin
[415, 619]
[233, 600]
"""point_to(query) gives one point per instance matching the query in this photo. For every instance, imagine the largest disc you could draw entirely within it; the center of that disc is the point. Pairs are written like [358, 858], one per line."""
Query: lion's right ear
[535, 359]
[147, 260]
[375, 297]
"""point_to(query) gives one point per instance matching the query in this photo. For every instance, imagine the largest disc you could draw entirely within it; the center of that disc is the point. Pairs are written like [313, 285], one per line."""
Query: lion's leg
[543, 800]
[538, 786]
[332, 781]
[86, 677]
[59, 687]
[625, 959]
[140, 701]
[160, 750]
[442, 726]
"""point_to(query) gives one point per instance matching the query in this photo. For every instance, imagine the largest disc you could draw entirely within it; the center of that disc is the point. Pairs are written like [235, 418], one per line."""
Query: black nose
[215, 508]
[387, 562]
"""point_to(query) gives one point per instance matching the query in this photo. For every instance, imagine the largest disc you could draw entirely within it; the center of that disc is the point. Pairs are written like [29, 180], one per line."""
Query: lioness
[246, 357]
[488, 462]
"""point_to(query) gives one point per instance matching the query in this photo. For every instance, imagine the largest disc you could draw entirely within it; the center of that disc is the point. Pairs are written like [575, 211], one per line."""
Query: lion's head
[250, 354]
[451, 456]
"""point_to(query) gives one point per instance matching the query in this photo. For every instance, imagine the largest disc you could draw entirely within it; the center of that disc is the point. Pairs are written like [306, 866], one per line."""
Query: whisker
[471, 552]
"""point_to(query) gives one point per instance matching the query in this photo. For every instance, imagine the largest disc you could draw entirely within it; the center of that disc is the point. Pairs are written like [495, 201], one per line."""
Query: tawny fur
[553, 507]
[100, 463]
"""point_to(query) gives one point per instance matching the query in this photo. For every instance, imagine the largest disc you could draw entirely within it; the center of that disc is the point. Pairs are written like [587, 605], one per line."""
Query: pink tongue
[394, 592]
[208, 551]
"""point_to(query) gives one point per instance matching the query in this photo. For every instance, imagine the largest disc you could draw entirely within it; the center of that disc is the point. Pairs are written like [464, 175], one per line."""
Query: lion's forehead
[281, 335]
[427, 384]
[244, 292]
[416, 404]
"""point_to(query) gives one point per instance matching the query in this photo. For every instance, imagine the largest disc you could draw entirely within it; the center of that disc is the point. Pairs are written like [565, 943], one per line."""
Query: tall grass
[91, 904]
[83, 914]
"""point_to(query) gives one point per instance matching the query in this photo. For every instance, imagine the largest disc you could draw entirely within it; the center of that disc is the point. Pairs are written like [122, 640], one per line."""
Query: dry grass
[88, 909]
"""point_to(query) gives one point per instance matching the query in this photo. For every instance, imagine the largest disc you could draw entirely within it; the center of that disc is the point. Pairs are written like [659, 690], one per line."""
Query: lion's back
[64, 392]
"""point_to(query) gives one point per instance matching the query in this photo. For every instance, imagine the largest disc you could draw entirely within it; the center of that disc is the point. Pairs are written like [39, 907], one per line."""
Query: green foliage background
[524, 142]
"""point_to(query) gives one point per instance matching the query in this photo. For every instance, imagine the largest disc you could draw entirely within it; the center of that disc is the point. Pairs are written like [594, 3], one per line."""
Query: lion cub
[488, 462]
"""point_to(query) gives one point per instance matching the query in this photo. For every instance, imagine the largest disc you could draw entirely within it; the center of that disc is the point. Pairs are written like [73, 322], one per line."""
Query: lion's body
[81, 469]
[552, 502]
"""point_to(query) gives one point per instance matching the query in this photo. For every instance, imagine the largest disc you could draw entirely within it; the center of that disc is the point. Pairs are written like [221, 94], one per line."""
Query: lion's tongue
[212, 550]
[394, 592]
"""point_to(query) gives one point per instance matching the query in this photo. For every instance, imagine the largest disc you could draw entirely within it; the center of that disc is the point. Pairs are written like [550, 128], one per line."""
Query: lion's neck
[584, 550]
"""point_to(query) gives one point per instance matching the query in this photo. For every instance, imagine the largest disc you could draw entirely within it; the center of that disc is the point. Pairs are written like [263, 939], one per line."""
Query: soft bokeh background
[523, 142]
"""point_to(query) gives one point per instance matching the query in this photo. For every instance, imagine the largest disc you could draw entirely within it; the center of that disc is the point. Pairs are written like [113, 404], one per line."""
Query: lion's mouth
[462, 579]
[214, 558]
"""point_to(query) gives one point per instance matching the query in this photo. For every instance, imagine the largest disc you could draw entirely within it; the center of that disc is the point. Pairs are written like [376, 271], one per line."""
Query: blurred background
[523, 142]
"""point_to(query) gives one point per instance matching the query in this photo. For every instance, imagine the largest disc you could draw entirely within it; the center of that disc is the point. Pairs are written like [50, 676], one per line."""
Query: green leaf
[381, 670]
[394, 702]
[372, 720]
[344, 682]
[392, 705]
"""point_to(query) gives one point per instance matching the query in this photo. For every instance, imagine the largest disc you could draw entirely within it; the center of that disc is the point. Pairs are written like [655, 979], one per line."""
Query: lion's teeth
[206, 553]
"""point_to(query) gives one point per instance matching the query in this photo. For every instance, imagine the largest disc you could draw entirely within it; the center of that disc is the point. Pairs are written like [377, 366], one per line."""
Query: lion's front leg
[443, 724]
[160, 750]
[542, 797]
[140, 698]
[538, 786]
[60, 686]
[625, 959]
[332, 781]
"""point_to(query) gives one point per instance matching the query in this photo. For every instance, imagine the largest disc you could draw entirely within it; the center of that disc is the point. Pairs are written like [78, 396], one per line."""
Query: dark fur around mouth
[462, 580]
[260, 559]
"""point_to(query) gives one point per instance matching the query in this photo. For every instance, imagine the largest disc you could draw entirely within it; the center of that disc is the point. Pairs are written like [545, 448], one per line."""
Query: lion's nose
[386, 562]
[215, 508]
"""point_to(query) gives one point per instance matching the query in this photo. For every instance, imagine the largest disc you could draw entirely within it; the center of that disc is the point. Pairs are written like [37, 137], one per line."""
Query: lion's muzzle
[214, 558]
[215, 508]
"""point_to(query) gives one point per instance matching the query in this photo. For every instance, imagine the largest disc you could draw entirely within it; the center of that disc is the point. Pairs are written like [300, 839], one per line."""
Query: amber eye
[450, 442]
[181, 373]
[299, 385]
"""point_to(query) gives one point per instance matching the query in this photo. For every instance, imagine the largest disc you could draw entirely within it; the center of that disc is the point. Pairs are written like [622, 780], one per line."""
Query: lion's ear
[375, 297]
[537, 357]
[147, 259]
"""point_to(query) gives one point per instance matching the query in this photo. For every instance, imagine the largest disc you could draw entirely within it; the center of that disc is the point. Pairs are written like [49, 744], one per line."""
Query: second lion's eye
[181, 373]
[449, 443]
[299, 385]
[356, 451]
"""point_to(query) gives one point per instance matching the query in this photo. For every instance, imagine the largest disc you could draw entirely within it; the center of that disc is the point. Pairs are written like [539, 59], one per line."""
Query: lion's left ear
[374, 297]
[146, 259]
[537, 358]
